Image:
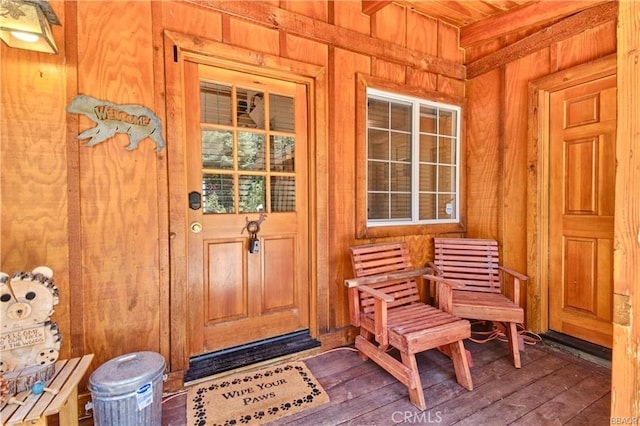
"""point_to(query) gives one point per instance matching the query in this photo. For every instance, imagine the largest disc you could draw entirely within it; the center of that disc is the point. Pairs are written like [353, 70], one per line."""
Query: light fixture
[26, 24]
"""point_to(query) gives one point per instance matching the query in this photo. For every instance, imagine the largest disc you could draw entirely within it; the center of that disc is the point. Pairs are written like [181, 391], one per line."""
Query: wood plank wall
[497, 143]
[99, 216]
[625, 395]
[34, 162]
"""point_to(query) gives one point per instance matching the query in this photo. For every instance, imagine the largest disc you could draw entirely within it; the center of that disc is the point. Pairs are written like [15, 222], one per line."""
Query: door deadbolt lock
[196, 227]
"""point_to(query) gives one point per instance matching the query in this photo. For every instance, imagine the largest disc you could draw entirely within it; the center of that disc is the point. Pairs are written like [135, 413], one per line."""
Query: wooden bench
[37, 408]
[385, 303]
[474, 263]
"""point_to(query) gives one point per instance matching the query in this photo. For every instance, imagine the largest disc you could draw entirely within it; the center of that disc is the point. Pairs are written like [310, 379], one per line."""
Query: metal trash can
[127, 390]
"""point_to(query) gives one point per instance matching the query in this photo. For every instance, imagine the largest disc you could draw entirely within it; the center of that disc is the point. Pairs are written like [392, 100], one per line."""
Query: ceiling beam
[536, 14]
[267, 15]
[370, 7]
[562, 30]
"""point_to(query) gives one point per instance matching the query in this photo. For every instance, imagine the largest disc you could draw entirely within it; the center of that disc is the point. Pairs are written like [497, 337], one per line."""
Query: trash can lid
[126, 373]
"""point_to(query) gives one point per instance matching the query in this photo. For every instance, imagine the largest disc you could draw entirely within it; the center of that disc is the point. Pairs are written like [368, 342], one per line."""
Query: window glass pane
[252, 193]
[250, 108]
[283, 194]
[427, 206]
[428, 177]
[281, 113]
[394, 193]
[400, 117]
[283, 154]
[378, 113]
[400, 177]
[378, 176]
[251, 153]
[446, 206]
[428, 152]
[401, 206]
[448, 122]
[215, 103]
[217, 193]
[446, 179]
[217, 149]
[400, 147]
[378, 144]
[446, 150]
[428, 119]
[378, 206]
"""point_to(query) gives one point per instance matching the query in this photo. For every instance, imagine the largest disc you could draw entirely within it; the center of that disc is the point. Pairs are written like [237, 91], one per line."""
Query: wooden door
[581, 188]
[246, 139]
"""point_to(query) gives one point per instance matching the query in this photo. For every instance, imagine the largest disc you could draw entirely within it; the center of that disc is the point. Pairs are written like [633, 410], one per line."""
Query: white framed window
[412, 160]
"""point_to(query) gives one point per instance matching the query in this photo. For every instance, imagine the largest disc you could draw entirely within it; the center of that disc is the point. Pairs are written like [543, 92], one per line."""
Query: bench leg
[514, 347]
[69, 411]
[416, 394]
[447, 351]
[461, 364]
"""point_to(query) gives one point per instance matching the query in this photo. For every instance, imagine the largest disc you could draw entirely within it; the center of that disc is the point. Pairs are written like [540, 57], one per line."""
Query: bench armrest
[443, 291]
[374, 279]
[437, 271]
[514, 274]
[515, 278]
[381, 300]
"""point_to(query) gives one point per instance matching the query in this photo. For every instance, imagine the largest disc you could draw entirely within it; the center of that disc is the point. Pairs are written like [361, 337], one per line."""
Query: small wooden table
[36, 408]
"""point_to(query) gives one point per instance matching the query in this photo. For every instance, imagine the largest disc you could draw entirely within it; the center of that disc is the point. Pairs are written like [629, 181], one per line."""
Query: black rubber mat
[251, 353]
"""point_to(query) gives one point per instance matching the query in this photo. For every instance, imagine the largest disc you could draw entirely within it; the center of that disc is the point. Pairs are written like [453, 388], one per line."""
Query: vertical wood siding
[117, 251]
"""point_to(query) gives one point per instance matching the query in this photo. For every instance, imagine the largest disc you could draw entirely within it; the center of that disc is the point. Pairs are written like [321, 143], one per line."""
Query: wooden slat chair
[384, 302]
[474, 263]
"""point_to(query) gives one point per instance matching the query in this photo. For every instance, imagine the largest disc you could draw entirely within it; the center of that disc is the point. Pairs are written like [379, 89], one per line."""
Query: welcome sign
[136, 121]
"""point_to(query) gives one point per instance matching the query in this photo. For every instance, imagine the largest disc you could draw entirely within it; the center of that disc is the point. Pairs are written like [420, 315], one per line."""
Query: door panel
[582, 178]
[246, 143]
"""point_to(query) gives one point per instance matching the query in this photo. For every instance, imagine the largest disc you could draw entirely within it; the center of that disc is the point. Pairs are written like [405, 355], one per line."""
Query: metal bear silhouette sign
[136, 121]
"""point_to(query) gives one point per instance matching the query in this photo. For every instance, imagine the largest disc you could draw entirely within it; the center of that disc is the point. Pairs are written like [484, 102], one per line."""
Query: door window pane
[215, 103]
[283, 194]
[251, 108]
[217, 193]
[251, 154]
[281, 113]
[242, 173]
[217, 149]
[252, 193]
[283, 154]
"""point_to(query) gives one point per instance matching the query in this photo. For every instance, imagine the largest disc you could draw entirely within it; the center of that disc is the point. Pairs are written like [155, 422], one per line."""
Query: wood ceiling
[484, 20]
[463, 13]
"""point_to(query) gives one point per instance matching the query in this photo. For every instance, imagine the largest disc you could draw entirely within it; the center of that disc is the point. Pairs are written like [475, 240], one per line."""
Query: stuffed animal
[27, 336]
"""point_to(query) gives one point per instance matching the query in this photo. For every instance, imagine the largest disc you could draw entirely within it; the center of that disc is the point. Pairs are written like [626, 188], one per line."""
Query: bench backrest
[385, 258]
[471, 261]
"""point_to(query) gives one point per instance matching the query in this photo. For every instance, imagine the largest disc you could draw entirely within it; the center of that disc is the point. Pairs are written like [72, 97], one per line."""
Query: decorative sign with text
[136, 121]
[255, 397]
[28, 338]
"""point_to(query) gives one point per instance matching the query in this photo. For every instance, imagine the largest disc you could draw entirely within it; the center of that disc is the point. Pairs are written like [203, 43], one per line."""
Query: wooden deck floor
[553, 387]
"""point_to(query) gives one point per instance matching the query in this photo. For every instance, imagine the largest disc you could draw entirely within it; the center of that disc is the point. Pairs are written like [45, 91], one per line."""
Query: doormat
[255, 397]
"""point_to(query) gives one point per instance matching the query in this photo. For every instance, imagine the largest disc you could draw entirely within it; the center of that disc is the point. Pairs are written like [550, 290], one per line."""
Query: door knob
[196, 227]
